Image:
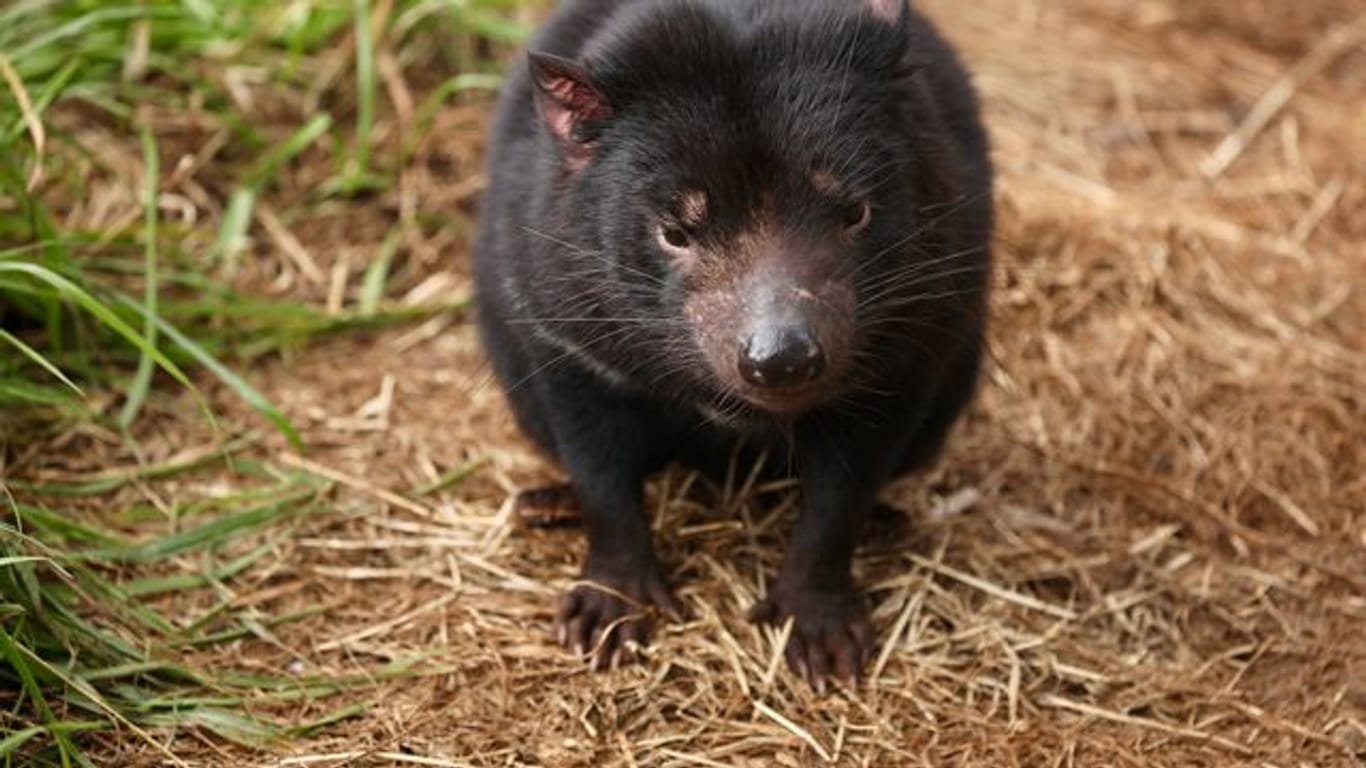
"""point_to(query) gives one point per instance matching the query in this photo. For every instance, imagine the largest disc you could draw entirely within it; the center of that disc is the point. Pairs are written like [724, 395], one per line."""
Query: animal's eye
[856, 216]
[674, 237]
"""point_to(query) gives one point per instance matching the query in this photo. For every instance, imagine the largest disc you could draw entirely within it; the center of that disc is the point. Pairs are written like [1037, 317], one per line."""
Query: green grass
[100, 328]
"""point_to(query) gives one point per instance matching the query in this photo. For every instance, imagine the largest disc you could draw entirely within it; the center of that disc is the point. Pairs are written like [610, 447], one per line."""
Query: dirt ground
[1144, 547]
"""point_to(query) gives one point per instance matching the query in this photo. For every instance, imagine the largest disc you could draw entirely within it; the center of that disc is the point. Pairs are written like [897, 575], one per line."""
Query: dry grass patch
[1144, 547]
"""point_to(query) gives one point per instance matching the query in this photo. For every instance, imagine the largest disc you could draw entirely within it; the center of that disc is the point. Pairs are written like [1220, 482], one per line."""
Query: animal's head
[753, 176]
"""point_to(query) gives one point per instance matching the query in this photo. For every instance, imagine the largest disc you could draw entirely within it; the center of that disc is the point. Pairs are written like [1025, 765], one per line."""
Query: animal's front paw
[551, 506]
[608, 613]
[831, 634]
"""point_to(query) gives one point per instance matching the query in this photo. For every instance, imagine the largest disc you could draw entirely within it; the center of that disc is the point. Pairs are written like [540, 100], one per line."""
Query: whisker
[920, 298]
[926, 265]
[881, 292]
[928, 225]
[666, 321]
[599, 255]
[568, 354]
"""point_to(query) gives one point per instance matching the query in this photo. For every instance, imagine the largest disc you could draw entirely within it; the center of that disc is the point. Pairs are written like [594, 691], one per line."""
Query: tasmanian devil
[722, 222]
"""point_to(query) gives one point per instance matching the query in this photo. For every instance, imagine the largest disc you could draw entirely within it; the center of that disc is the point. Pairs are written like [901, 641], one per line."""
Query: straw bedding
[1144, 547]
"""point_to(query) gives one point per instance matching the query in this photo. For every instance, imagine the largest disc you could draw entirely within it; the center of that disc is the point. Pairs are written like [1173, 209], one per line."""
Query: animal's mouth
[787, 402]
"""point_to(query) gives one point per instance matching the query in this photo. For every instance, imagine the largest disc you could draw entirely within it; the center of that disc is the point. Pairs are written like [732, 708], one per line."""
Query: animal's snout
[785, 357]
[778, 325]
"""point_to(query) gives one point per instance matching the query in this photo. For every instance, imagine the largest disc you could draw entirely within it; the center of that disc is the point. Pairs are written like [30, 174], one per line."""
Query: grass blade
[359, 166]
[249, 394]
[311, 131]
[232, 233]
[102, 313]
[377, 274]
[38, 358]
[14, 741]
[14, 653]
[142, 380]
[208, 534]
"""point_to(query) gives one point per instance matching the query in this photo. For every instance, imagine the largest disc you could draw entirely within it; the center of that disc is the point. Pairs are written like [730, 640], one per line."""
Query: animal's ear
[895, 17]
[892, 12]
[568, 101]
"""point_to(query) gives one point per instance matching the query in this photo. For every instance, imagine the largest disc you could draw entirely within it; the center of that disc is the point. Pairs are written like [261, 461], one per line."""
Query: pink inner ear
[888, 10]
[580, 99]
[558, 118]
[566, 100]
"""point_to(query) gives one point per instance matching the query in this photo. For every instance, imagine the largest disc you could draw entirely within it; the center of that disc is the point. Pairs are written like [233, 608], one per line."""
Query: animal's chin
[785, 403]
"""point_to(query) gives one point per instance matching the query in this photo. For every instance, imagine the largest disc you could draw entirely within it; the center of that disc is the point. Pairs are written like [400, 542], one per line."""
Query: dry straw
[1160, 560]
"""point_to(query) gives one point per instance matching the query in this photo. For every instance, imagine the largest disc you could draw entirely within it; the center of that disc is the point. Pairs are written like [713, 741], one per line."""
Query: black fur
[582, 315]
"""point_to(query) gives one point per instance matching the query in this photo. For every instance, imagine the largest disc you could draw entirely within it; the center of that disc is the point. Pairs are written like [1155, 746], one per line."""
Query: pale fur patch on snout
[741, 282]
